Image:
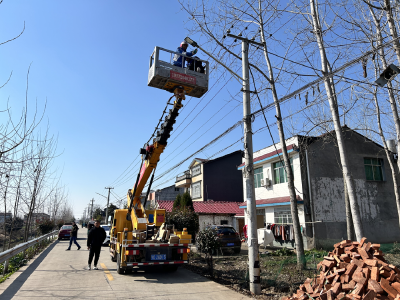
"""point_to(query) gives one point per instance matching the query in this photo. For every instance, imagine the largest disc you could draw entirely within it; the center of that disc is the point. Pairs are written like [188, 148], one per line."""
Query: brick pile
[352, 271]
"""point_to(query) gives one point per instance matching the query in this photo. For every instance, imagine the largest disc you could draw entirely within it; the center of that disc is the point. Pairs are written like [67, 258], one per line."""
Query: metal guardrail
[6, 255]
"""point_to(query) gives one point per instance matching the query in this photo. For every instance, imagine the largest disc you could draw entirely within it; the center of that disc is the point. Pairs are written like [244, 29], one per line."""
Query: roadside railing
[6, 255]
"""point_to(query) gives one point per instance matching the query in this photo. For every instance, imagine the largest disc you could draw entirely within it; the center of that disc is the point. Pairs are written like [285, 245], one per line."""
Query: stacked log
[352, 271]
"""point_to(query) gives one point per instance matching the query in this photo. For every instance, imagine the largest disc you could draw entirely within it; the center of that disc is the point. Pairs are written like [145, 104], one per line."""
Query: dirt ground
[279, 276]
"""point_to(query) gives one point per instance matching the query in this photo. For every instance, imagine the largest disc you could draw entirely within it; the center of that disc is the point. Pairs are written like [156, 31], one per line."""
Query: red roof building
[214, 213]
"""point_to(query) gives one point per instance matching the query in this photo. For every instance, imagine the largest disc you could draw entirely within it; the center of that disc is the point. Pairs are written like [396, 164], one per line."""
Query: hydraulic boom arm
[150, 159]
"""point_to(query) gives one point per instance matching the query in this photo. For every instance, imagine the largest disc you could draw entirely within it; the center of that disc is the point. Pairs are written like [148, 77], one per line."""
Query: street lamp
[387, 75]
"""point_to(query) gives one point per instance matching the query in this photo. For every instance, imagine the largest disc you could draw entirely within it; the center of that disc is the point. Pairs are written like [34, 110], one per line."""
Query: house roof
[208, 207]
[268, 155]
[201, 160]
[273, 202]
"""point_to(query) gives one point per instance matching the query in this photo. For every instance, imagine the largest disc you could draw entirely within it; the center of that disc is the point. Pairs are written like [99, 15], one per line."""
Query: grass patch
[22, 258]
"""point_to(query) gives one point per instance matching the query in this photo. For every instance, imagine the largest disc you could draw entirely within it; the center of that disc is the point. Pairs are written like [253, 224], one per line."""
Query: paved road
[60, 274]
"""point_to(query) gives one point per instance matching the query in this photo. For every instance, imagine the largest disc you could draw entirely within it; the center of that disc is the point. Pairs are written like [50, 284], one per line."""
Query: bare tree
[330, 91]
[250, 17]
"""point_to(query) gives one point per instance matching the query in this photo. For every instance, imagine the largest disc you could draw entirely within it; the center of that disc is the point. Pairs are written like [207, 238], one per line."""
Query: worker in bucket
[179, 60]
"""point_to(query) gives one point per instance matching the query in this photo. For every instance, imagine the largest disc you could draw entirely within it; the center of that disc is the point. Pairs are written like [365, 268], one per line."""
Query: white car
[107, 228]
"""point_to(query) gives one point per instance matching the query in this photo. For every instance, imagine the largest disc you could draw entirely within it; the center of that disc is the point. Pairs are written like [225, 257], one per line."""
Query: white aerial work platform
[164, 75]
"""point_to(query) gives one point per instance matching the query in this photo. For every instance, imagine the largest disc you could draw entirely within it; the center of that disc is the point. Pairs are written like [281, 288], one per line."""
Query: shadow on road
[14, 287]
[161, 276]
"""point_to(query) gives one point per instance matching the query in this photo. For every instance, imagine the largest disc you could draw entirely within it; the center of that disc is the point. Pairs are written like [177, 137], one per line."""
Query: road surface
[60, 274]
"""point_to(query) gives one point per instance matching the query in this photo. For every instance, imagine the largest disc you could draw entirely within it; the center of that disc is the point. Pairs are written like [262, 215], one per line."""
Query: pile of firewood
[353, 271]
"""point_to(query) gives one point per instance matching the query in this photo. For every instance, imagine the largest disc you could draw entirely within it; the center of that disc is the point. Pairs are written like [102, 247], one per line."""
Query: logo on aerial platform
[182, 77]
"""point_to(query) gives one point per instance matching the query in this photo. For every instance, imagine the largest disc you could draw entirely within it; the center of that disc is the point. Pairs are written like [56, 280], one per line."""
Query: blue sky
[89, 61]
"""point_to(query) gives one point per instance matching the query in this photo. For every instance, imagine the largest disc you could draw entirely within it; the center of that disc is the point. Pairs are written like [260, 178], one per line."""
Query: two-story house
[214, 179]
[319, 186]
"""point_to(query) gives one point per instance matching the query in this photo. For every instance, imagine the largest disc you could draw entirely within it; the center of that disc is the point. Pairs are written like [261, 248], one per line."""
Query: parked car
[65, 232]
[107, 228]
[228, 237]
[90, 225]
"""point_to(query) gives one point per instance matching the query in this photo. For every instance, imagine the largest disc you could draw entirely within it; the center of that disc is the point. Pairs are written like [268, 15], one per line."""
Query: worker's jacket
[96, 237]
[74, 231]
[177, 60]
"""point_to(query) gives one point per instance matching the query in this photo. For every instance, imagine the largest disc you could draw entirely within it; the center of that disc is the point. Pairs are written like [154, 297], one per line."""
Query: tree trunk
[289, 172]
[392, 100]
[349, 219]
[393, 33]
[336, 122]
[388, 156]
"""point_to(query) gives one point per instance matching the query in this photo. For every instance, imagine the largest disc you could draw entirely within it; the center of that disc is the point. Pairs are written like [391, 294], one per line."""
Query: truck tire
[113, 258]
[119, 269]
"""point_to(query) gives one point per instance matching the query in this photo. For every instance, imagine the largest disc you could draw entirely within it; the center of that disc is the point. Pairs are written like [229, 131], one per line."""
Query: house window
[260, 212]
[258, 175]
[280, 175]
[373, 169]
[224, 222]
[282, 216]
[176, 189]
[196, 170]
[196, 190]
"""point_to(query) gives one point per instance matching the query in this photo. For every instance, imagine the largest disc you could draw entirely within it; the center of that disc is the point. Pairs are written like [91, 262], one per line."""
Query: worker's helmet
[184, 43]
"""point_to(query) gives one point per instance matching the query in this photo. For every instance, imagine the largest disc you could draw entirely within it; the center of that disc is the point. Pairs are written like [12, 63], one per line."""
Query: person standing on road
[74, 235]
[95, 239]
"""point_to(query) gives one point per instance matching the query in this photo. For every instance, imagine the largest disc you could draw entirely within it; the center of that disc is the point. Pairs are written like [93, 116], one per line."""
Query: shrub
[46, 226]
[186, 201]
[183, 218]
[207, 242]
[177, 202]
[60, 224]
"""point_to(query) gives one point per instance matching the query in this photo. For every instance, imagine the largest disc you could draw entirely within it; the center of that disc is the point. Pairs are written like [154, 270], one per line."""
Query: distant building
[4, 216]
[213, 213]
[37, 217]
[214, 179]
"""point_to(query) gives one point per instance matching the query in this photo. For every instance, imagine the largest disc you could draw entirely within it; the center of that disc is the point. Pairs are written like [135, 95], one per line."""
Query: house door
[240, 225]
[260, 218]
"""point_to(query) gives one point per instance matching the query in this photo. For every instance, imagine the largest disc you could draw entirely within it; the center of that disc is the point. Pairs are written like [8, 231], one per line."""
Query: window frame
[192, 189]
[257, 183]
[281, 169]
[283, 216]
[194, 168]
[373, 165]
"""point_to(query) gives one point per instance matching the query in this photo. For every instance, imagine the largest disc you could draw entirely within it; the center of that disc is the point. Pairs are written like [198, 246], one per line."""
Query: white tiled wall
[277, 190]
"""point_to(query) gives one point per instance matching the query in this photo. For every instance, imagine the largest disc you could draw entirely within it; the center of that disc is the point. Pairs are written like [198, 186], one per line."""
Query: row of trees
[303, 42]
[29, 183]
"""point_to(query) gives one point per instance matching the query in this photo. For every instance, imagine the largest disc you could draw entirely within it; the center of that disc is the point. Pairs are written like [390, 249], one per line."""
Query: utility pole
[248, 171]
[91, 210]
[108, 200]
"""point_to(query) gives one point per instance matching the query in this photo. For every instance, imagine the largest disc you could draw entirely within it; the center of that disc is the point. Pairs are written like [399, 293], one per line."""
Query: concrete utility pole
[248, 171]
[91, 210]
[108, 200]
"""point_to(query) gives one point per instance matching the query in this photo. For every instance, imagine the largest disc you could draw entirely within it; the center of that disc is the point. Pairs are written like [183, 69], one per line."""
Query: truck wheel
[113, 258]
[128, 271]
[119, 269]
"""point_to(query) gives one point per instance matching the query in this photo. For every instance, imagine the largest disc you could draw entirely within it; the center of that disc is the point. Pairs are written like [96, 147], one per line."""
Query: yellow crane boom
[150, 158]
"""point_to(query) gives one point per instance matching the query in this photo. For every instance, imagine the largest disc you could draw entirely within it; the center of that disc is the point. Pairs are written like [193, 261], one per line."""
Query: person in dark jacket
[95, 239]
[74, 235]
[179, 60]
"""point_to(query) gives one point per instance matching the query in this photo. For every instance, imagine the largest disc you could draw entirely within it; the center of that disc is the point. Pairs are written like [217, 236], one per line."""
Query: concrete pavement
[60, 274]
